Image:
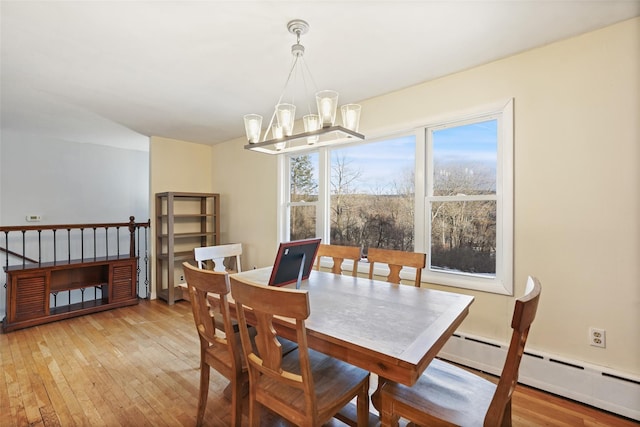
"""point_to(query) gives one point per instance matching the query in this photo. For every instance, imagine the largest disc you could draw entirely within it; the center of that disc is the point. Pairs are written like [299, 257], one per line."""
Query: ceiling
[116, 72]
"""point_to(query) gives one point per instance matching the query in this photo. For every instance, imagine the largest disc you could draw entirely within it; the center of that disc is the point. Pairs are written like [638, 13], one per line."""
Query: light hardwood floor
[138, 366]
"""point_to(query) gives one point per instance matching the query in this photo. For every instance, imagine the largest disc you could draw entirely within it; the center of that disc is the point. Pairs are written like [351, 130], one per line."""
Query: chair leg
[363, 405]
[506, 417]
[254, 412]
[204, 390]
[236, 402]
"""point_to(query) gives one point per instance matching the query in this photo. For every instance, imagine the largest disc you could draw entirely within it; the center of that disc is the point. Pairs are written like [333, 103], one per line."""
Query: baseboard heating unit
[590, 384]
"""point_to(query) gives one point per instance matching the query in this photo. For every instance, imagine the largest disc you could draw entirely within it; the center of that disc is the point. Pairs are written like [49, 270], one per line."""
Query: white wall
[577, 187]
[69, 182]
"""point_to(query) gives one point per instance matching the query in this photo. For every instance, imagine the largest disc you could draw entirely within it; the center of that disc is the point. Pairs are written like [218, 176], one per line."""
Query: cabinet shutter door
[123, 287]
[31, 297]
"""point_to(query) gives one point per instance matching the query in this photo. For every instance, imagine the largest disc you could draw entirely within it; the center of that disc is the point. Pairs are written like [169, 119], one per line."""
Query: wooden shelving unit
[183, 221]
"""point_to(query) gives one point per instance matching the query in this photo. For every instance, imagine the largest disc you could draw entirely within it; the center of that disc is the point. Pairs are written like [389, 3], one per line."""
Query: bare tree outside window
[303, 196]
[372, 195]
[463, 205]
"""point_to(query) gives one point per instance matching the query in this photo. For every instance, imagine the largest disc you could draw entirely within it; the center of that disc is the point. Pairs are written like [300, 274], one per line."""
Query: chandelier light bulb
[351, 116]
[286, 114]
[311, 123]
[253, 127]
[278, 134]
[327, 102]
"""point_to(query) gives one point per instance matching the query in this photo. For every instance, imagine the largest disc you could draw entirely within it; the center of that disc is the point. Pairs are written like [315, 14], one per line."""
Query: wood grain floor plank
[139, 365]
[15, 403]
[24, 361]
[54, 380]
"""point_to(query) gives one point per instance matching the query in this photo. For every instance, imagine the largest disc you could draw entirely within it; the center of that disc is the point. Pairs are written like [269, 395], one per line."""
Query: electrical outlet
[597, 337]
[181, 278]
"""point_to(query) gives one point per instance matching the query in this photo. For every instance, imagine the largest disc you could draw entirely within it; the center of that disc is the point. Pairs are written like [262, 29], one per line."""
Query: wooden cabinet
[183, 221]
[33, 289]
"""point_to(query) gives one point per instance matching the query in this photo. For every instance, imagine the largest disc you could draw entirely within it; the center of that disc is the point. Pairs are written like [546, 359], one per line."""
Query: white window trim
[503, 282]
[322, 204]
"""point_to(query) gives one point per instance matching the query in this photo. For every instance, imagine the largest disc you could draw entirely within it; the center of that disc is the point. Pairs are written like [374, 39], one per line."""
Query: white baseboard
[590, 384]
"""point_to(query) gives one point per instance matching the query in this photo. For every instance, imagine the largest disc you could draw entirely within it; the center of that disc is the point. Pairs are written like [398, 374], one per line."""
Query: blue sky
[384, 163]
[380, 163]
[476, 142]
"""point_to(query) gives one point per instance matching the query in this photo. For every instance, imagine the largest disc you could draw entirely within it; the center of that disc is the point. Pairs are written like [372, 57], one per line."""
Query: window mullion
[420, 191]
[323, 224]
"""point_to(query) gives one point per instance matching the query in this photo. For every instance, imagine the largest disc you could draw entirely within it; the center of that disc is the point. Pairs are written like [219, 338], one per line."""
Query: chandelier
[320, 127]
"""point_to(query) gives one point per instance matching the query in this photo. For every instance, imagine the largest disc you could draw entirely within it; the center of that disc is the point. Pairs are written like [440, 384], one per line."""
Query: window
[372, 194]
[303, 196]
[443, 188]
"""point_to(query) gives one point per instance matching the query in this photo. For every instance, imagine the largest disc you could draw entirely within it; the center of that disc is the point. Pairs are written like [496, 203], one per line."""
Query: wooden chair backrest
[201, 283]
[339, 254]
[396, 260]
[265, 302]
[217, 254]
[523, 315]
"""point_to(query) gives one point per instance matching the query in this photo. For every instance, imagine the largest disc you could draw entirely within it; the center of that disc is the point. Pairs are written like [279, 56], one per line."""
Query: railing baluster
[146, 264]
[55, 258]
[94, 243]
[39, 246]
[6, 257]
[24, 258]
[118, 241]
[82, 244]
[69, 244]
[138, 264]
[106, 241]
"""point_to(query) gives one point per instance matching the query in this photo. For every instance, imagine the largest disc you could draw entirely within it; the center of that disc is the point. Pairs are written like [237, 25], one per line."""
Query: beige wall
[176, 166]
[179, 166]
[577, 195]
[247, 183]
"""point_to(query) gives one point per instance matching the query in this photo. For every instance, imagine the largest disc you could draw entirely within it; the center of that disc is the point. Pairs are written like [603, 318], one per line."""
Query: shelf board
[186, 195]
[164, 294]
[78, 306]
[203, 215]
[177, 256]
[178, 235]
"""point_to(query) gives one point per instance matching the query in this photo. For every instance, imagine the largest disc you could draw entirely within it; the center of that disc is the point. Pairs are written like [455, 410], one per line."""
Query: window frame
[503, 112]
[502, 283]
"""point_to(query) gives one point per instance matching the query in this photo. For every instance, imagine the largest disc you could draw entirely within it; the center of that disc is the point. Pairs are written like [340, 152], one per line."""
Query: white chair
[217, 254]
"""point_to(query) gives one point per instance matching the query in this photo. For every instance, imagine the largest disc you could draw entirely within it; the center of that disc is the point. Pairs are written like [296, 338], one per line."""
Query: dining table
[390, 330]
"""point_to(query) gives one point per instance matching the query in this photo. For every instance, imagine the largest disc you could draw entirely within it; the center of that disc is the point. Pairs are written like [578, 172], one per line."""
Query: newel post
[132, 237]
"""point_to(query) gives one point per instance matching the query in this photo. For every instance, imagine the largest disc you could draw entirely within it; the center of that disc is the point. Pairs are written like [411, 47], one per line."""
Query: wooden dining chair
[446, 395]
[218, 350]
[396, 260]
[217, 254]
[339, 254]
[305, 387]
